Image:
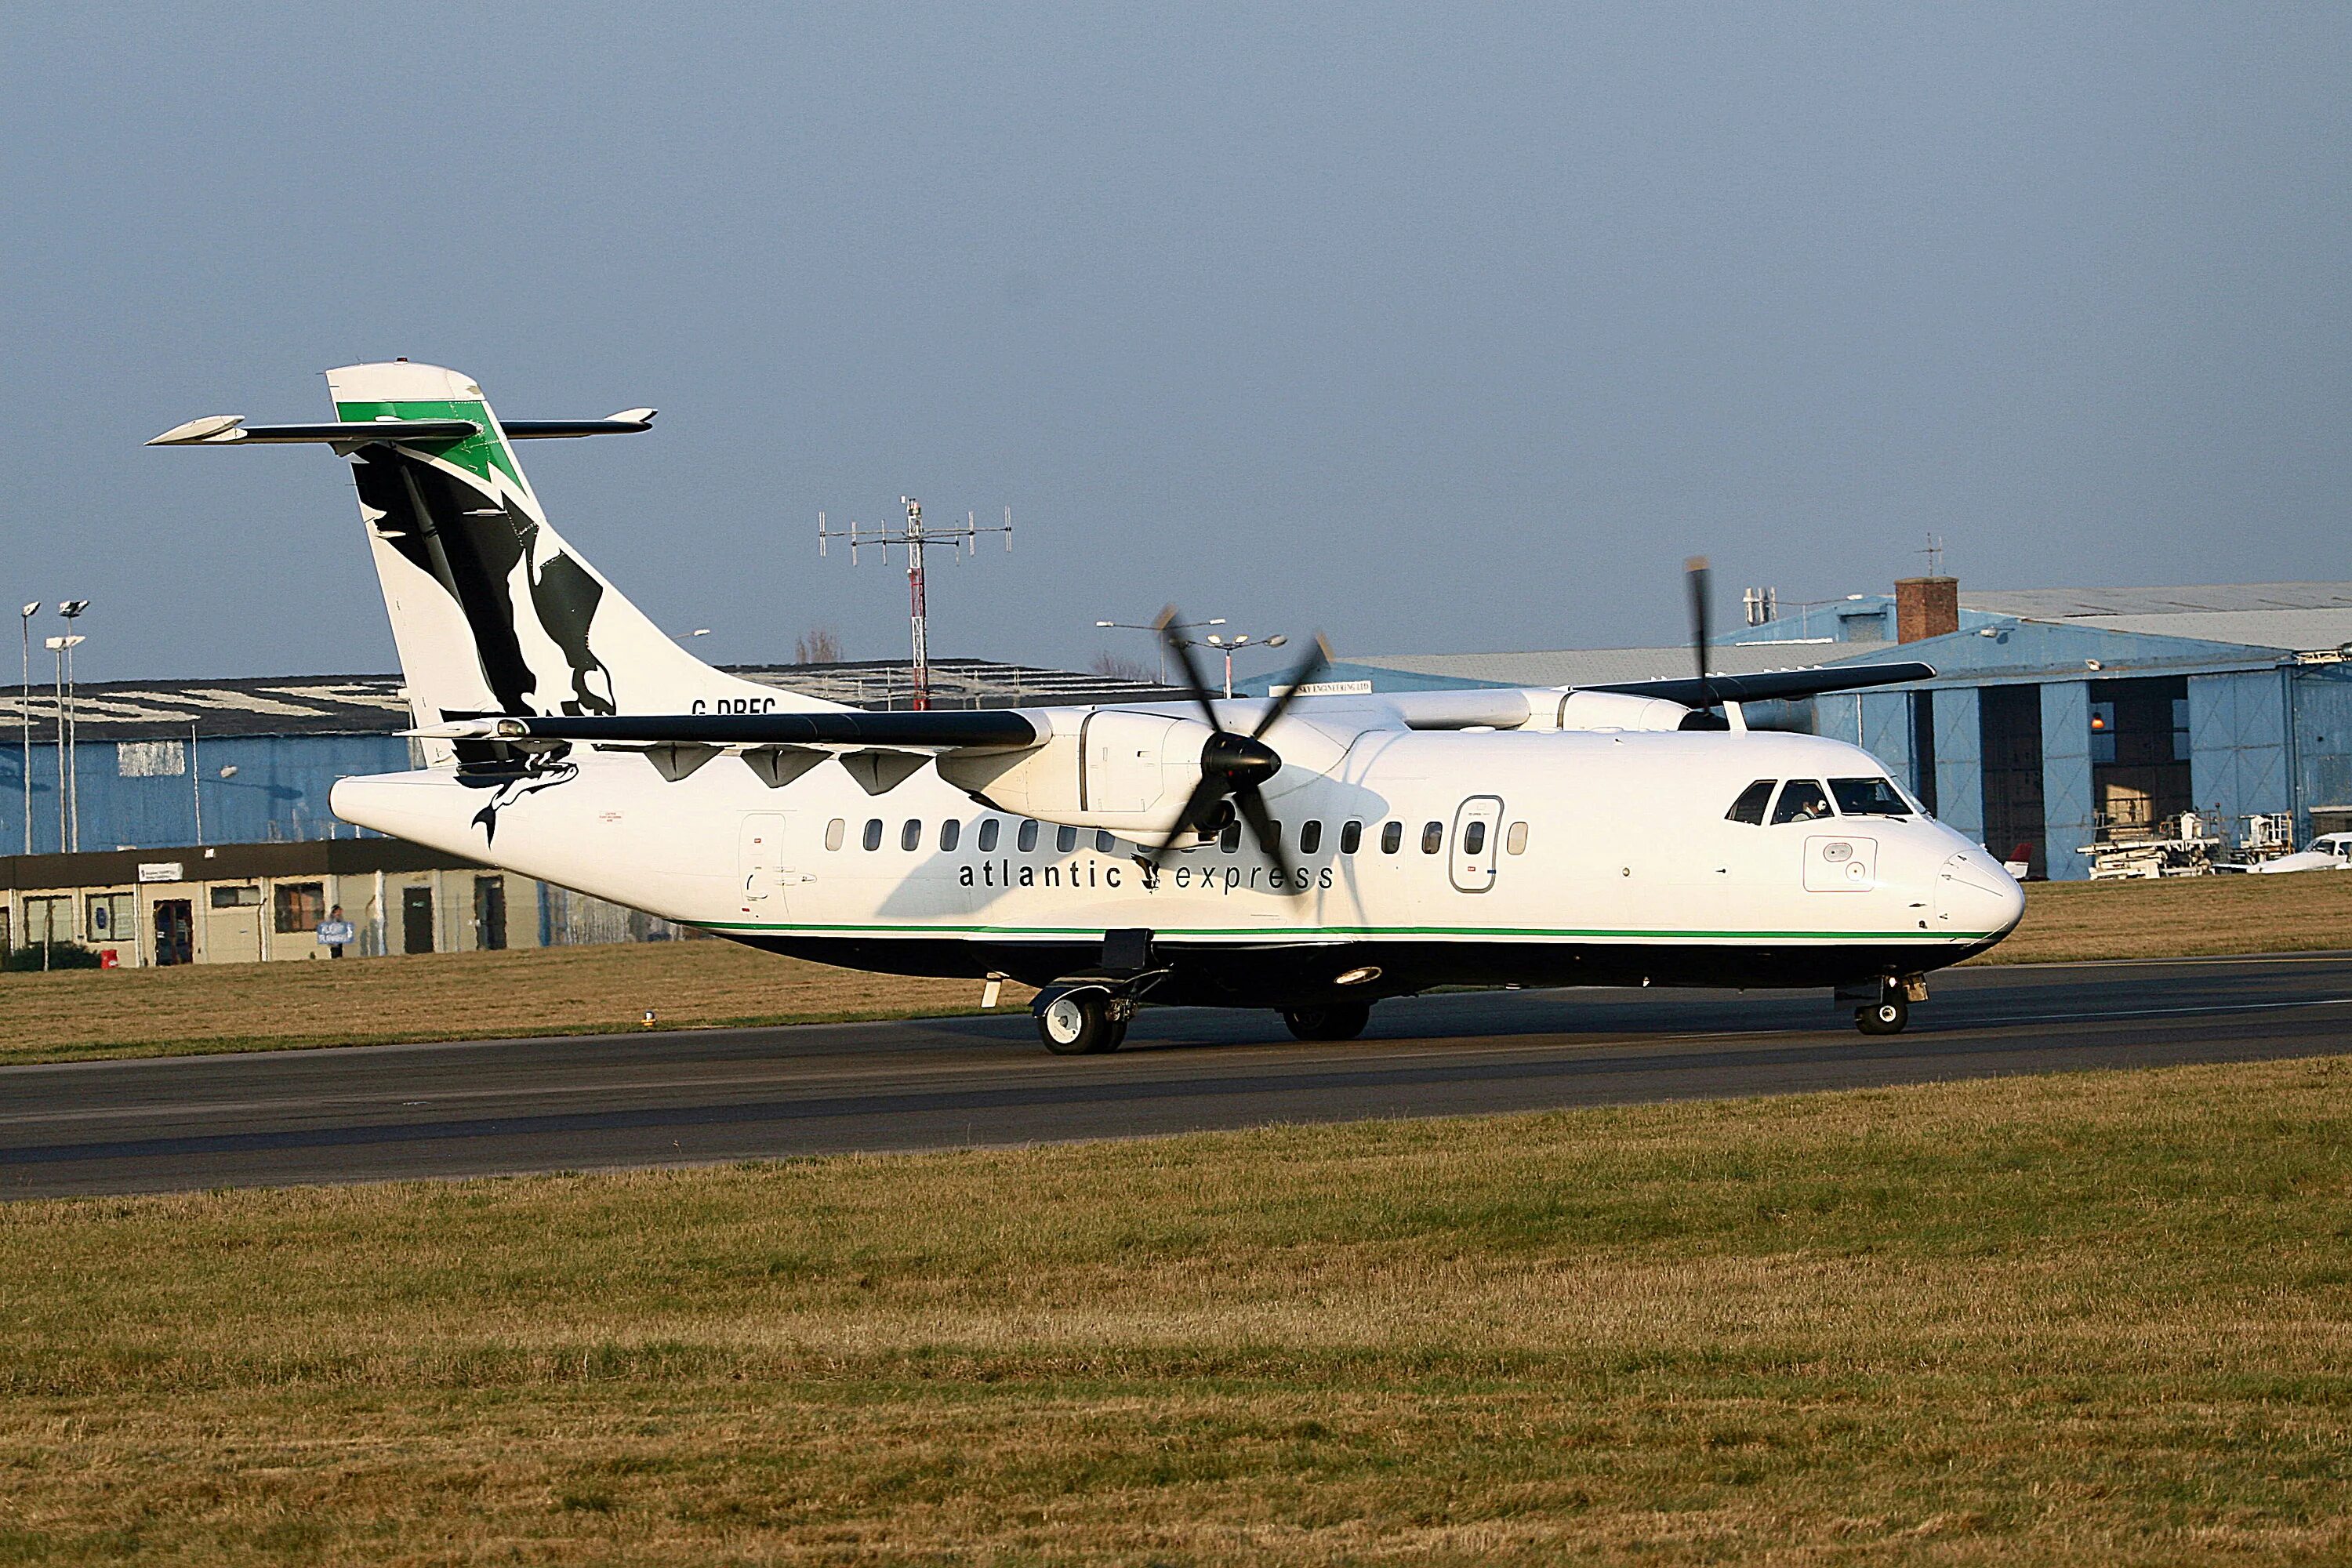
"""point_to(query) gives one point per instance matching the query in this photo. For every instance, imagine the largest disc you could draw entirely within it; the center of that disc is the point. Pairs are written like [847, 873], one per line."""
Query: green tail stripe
[477, 454]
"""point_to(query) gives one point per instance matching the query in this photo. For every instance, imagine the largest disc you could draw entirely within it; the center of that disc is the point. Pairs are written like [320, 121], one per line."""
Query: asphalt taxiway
[579, 1102]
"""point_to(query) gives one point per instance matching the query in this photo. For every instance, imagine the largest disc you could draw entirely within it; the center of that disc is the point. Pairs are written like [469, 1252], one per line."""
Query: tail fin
[492, 611]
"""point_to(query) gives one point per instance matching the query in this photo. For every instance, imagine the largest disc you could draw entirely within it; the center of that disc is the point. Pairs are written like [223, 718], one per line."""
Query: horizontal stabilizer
[227, 429]
[1784, 684]
[992, 727]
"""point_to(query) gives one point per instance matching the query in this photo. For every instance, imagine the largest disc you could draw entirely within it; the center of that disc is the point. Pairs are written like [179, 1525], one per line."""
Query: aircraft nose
[1975, 895]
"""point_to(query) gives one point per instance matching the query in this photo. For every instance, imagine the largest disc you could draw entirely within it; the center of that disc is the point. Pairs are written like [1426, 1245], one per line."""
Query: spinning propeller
[1695, 573]
[1233, 765]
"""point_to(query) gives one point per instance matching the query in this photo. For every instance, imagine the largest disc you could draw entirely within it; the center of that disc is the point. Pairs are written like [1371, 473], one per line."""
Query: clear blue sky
[1441, 328]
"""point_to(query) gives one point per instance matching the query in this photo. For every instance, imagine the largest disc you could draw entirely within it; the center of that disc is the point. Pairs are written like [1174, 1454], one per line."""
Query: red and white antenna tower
[913, 535]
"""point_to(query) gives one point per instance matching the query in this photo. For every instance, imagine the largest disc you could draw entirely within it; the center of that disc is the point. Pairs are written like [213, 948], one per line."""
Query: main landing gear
[1329, 1021]
[1085, 1023]
[1886, 1005]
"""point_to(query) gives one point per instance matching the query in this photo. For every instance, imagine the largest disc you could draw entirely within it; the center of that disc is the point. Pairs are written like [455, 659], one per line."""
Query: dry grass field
[2098, 1317]
[2182, 917]
[444, 996]
[48, 1017]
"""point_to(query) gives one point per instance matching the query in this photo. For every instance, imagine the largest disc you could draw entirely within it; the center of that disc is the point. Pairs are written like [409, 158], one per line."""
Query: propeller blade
[1176, 644]
[1308, 669]
[1262, 828]
[1695, 571]
[1206, 794]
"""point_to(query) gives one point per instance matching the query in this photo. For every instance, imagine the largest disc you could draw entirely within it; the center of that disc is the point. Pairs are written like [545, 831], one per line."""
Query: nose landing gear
[1887, 1004]
[1884, 1017]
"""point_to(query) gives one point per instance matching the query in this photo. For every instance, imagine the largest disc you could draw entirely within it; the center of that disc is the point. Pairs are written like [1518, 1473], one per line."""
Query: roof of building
[1601, 666]
[374, 704]
[2074, 604]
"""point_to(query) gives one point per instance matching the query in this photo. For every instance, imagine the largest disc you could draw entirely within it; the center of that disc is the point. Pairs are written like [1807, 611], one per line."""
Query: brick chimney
[1925, 607]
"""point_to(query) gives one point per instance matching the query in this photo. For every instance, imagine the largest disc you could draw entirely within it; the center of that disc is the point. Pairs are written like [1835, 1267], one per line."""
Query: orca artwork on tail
[1307, 853]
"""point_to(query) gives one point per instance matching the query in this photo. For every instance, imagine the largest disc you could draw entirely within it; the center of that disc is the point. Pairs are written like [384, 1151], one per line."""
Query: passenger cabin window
[1105, 843]
[833, 833]
[1392, 837]
[874, 833]
[1273, 836]
[988, 832]
[1750, 805]
[1473, 838]
[1310, 838]
[1433, 838]
[1066, 839]
[1801, 800]
[910, 835]
[950, 835]
[1868, 797]
[1516, 840]
[1026, 839]
[1230, 839]
[1351, 838]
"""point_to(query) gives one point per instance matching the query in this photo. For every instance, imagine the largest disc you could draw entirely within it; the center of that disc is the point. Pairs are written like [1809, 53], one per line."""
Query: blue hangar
[2057, 715]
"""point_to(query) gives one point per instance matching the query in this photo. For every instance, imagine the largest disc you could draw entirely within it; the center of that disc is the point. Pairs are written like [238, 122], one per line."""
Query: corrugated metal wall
[277, 791]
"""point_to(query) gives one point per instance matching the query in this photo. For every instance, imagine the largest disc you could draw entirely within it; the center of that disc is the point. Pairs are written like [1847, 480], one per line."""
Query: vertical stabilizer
[492, 612]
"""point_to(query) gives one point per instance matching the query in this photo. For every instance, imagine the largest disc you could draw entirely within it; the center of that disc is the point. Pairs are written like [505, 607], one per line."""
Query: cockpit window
[1801, 800]
[1749, 808]
[1869, 797]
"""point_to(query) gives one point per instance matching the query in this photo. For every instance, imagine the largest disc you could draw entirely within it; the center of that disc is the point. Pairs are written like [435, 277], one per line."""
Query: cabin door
[1477, 825]
[760, 865]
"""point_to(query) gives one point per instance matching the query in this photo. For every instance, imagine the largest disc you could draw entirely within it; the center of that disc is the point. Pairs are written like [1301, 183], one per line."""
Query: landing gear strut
[1329, 1021]
[1085, 1023]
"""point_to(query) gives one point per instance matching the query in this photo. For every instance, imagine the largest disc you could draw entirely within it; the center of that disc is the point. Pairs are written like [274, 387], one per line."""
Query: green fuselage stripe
[1308, 934]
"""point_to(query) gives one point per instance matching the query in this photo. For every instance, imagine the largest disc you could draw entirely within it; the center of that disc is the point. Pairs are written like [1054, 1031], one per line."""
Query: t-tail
[492, 612]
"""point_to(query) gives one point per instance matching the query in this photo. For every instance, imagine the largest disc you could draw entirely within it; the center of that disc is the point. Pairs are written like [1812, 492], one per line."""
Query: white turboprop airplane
[1621, 836]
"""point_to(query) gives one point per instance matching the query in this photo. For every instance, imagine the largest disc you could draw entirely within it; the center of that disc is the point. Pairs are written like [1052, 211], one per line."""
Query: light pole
[1161, 645]
[57, 646]
[1230, 646]
[25, 711]
[71, 610]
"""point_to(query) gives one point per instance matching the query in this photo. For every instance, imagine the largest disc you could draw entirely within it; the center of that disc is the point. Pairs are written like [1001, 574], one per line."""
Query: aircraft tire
[1884, 1017]
[1332, 1021]
[1078, 1024]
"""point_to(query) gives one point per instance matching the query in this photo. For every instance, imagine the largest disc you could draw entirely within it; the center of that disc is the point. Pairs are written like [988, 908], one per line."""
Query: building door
[416, 919]
[490, 913]
[1477, 825]
[760, 861]
[175, 932]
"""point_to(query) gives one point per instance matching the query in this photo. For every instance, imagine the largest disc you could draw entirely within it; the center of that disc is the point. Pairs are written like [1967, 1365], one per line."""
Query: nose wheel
[1884, 1017]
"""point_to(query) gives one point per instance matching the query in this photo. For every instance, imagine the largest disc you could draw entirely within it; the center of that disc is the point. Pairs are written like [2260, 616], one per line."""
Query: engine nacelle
[1618, 710]
[1128, 772]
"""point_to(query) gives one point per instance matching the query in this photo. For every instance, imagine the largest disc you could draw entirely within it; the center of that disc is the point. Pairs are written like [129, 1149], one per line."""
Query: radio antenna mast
[914, 536]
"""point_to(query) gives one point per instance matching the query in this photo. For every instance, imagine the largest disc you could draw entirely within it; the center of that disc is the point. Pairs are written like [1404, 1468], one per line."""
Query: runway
[599, 1101]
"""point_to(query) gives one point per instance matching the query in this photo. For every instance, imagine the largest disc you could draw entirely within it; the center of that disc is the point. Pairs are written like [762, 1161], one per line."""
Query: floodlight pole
[24, 715]
[71, 610]
[58, 652]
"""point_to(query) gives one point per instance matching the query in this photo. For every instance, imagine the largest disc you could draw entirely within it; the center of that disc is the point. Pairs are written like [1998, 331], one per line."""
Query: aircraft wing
[985, 727]
[1693, 692]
